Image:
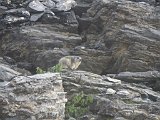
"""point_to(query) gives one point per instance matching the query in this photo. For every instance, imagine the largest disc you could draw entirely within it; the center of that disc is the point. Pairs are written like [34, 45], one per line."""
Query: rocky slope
[110, 36]
[42, 96]
[113, 99]
[116, 38]
[35, 97]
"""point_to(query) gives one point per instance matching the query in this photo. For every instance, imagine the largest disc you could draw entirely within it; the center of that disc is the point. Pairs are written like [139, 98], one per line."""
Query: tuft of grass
[56, 68]
[78, 105]
[40, 70]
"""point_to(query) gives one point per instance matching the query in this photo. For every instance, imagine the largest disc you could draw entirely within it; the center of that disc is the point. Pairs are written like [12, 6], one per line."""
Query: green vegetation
[40, 71]
[78, 105]
[56, 68]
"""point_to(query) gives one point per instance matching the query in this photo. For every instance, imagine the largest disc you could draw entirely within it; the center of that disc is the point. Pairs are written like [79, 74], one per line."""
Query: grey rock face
[65, 5]
[115, 25]
[49, 3]
[116, 36]
[19, 12]
[113, 101]
[152, 78]
[6, 73]
[36, 6]
[41, 43]
[33, 97]
[2, 10]
[137, 76]
[13, 19]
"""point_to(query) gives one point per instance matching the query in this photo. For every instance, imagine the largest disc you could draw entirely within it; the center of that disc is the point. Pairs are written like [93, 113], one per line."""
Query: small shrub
[56, 68]
[39, 70]
[78, 105]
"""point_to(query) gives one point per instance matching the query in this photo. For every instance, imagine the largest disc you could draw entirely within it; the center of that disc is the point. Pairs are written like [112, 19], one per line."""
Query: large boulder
[128, 30]
[112, 99]
[33, 97]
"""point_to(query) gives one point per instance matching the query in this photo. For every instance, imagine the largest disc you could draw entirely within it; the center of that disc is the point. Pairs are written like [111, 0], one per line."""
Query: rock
[110, 91]
[37, 44]
[26, 66]
[49, 18]
[6, 73]
[151, 2]
[123, 101]
[35, 17]
[65, 5]
[123, 93]
[133, 45]
[7, 1]
[68, 18]
[33, 97]
[89, 82]
[13, 16]
[71, 118]
[9, 60]
[151, 78]
[81, 8]
[125, 44]
[137, 76]
[21, 12]
[49, 3]
[120, 118]
[9, 19]
[36, 6]
[116, 81]
[157, 2]
[2, 10]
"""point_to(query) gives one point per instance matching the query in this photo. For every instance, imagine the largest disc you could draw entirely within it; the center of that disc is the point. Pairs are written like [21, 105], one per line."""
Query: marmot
[70, 62]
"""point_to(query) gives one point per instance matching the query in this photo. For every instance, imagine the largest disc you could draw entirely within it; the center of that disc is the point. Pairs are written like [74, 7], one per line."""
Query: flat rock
[65, 5]
[33, 97]
[36, 6]
[124, 101]
[6, 73]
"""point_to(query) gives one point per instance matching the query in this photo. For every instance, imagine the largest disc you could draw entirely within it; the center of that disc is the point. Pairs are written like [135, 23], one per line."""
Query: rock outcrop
[111, 36]
[33, 98]
[150, 78]
[128, 30]
[113, 99]
[116, 38]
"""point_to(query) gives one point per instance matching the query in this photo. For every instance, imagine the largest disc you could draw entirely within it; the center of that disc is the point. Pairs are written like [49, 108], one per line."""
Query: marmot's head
[70, 62]
[76, 58]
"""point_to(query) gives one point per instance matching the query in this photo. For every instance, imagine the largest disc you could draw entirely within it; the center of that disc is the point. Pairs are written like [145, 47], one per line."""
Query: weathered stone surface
[40, 43]
[9, 19]
[49, 3]
[36, 6]
[2, 10]
[6, 73]
[151, 78]
[65, 5]
[128, 30]
[33, 97]
[151, 2]
[18, 12]
[124, 102]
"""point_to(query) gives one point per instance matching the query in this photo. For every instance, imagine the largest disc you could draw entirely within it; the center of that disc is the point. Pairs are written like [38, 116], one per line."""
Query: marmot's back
[70, 62]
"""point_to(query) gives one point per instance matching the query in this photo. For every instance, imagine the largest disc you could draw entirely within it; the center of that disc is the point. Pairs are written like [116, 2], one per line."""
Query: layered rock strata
[34, 97]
